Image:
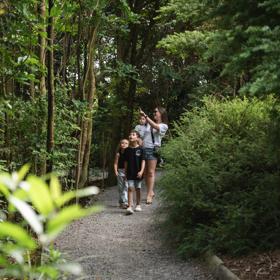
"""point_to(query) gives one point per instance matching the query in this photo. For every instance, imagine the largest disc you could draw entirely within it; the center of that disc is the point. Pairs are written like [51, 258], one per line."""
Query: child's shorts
[134, 184]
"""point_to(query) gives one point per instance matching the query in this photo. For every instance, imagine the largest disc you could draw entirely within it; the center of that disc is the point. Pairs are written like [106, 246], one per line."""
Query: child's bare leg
[130, 196]
[138, 198]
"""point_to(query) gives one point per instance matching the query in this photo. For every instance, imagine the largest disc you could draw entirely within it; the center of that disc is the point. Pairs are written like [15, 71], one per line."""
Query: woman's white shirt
[158, 134]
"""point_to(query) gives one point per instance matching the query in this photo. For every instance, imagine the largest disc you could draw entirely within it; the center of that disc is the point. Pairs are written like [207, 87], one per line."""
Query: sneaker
[138, 208]
[123, 206]
[129, 211]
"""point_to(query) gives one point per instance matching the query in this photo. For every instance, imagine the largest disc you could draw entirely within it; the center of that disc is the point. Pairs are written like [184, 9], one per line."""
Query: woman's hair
[163, 114]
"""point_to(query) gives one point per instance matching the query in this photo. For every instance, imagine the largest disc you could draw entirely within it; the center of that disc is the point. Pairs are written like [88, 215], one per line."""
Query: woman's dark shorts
[149, 154]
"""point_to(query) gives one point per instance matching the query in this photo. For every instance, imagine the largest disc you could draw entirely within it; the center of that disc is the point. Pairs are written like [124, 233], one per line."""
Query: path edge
[217, 267]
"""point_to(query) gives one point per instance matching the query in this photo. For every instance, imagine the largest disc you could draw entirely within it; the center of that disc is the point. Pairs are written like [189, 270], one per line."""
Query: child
[134, 168]
[120, 173]
[141, 128]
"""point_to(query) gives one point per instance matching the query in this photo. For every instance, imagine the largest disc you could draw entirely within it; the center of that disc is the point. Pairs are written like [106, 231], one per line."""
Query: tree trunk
[32, 90]
[42, 47]
[40, 162]
[50, 81]
[78, 60]
[88, 92]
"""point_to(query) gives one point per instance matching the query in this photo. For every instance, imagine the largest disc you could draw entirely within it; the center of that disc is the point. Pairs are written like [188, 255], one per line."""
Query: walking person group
[137, 158]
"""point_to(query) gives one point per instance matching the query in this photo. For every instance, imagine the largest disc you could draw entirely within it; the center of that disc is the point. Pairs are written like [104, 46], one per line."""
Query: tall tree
[136, 35]
[50, 83]
[88, 92]
[42, 45]
[87, 88]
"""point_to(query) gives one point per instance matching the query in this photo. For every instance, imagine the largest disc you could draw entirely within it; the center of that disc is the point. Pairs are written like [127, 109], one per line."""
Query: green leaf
[18, 234]
[21, 194]
[4, 190]
[3, 261]
[55, 11]
[23, 171]
[7, 181]
[28, 214]
[87, 191]
[55, 188]
[40, 195]
[65, 198]
[67, 215]
[50, 271]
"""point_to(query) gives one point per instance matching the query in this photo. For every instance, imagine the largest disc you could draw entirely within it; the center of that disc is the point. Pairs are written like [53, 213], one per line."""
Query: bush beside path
[111, 245]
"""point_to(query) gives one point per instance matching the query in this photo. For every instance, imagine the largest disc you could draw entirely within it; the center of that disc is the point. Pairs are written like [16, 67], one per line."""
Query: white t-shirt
[158, 134]
[141, 129]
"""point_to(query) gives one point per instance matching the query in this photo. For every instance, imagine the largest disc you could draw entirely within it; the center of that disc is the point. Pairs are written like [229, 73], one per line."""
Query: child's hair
[136, 132]
[123, 140]
[142, 117]
[119, 146]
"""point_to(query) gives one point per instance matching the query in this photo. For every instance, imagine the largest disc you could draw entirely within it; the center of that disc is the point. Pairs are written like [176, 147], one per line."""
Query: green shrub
[26, 250]
[25, 125]
[221, 185]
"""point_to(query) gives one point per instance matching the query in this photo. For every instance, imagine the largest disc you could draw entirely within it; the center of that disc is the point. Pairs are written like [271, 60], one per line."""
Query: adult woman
[155, 130]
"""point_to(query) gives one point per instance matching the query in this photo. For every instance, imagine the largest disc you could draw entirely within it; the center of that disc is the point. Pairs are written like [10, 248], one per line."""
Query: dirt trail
[113, 246]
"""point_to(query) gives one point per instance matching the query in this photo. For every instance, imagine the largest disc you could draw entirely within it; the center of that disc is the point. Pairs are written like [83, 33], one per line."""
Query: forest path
[113, 246]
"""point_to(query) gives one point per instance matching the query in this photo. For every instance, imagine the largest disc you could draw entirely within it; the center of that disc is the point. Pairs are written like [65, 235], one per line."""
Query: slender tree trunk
[88, 92]
[7, 142]
[62, 72]
[32, 90]
[78, 60]
[104, 160]
[132, 82]
[8, 88]
[50, 82]
[40, 162]
[130, 104]
[42, 47]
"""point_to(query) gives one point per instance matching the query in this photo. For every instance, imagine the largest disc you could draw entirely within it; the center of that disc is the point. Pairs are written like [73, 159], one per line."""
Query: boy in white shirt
[141, 128]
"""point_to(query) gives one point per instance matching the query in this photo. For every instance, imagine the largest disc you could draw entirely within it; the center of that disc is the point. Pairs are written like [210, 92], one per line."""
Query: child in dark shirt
[120, 173]
[134, 168]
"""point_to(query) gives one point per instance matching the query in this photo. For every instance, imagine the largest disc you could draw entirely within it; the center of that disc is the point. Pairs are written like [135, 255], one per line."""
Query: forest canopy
[74, 73]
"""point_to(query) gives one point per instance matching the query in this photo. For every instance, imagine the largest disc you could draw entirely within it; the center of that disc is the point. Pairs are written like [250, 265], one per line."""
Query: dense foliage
[221, 184]
[227, 47]
[74, 73]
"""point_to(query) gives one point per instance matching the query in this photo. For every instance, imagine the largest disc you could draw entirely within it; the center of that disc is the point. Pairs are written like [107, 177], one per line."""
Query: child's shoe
[129, 211]
[138, 208]
[123, 206]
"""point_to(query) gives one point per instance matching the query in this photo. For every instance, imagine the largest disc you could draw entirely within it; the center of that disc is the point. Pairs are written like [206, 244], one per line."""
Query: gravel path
[113, 246]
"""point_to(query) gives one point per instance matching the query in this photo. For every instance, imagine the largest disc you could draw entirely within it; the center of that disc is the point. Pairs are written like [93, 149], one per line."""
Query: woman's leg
[150, 178]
